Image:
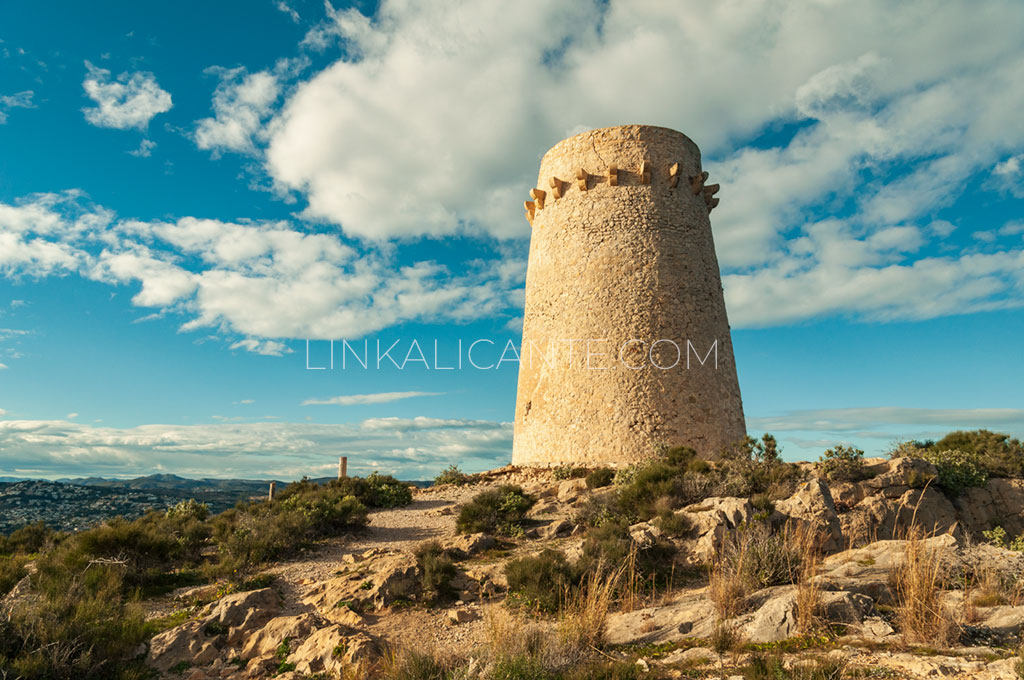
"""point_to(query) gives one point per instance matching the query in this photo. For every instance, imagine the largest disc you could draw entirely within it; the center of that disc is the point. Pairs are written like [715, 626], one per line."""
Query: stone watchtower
[623, 304]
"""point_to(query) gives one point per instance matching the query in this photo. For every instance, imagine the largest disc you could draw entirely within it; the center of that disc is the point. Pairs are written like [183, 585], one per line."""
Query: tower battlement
[622, 257]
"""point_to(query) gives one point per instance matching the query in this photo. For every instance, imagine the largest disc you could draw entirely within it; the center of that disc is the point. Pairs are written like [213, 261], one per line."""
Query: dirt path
[430, 516]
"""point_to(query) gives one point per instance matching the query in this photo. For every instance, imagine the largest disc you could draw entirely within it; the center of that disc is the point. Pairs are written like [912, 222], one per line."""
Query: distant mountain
[169, 482]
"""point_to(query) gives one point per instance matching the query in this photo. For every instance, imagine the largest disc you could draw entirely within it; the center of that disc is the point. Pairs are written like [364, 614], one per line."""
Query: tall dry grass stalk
[917, 580]
[808, 590]
[583, 619]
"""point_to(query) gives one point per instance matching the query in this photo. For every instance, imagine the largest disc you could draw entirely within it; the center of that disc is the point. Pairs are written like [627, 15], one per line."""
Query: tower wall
[614, 268]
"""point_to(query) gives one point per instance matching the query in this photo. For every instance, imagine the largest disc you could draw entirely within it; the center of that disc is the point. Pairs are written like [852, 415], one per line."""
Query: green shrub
[600, 477]
[609, 547]
[997, 537]
[375, 491]
[762, 503]
[675, 525]
[996, 453]
[87, 630]
[27, 540]
[544, 581]
[843, 464]
[12, 570]
[760, 557]
[436, 572]
[453, 476]
[500, 511]
[259, 532]
[563, 472]
[189, 509]
[958, 470]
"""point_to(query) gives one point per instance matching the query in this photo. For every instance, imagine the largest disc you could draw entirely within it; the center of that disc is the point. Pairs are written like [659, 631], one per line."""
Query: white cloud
[415, 448]
[3, 412]
[2, 367]
[377, 398]
[283, 6]
[130, 101]
[18, 100]
[847, 419]
[241, 102]
[245, 401]
[71, 416]
[145, 149]
[270, 348]
[264, 281]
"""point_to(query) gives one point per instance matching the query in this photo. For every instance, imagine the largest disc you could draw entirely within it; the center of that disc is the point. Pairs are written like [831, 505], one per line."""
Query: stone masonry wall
[622, 257]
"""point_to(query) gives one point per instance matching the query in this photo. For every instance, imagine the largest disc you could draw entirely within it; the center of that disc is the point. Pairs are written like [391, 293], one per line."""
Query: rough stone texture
[812, 503]
[629, 262]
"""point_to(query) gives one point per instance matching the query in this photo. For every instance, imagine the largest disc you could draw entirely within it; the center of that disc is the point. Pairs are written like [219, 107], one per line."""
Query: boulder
[556, 529]
[711, 518]
[571, 489]
[392, 578]
[330, 649]
[812, 504]
[998, 503]
[775, 619]
[880, 517]
[691, 615]
[466, 545]
[462, 615]
[187, 643]
[899, 474]
[867, 570]
[267, 639]
[243, 610]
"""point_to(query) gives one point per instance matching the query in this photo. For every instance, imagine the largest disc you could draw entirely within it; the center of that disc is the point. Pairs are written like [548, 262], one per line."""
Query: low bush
[452, 476]
[600, 477]
[495, 511]
[675, 524]
[843, 464]
[436, 572]
[750, 558]
[27, 540]
[609, 547]
[957, 470]
[563, 472]
[375, 491]
[12, 570]
[544, 581]
[997, 454]
[255, 533]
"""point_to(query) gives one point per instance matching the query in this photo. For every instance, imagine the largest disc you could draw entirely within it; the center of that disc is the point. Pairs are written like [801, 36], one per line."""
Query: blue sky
[189, 192]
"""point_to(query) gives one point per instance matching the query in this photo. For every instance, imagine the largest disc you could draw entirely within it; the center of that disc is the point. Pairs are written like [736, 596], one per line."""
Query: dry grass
[583, 619]
[727, 589]
[808, 590]
[917, 580]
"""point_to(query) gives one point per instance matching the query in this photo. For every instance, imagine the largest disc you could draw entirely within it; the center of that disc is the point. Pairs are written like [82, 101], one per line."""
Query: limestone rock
[185, 643]
[690, 616]
[245, 610]
[711, 518]
[812, 503]
[556, 529]
[329, 649]
[998, 503]
[275, 631]
[465, 546]
[571, 489]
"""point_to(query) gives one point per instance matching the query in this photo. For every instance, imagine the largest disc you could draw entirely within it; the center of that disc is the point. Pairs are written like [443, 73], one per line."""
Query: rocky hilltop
[866, 569]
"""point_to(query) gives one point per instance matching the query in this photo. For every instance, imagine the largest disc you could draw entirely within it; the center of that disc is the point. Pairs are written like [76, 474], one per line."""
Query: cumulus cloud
[19, 100]
[129, 101]
[145, 149]
[376, 398]
[241, 102]
[264, 281]
[414, 448]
